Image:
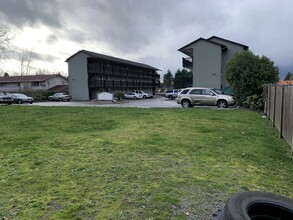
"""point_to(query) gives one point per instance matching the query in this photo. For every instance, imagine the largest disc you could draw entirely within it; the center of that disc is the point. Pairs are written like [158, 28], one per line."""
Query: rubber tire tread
[237, 205]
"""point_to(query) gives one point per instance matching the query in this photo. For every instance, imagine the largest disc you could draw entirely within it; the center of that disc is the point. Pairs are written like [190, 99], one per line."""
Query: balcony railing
[120, 84]
[187, 63]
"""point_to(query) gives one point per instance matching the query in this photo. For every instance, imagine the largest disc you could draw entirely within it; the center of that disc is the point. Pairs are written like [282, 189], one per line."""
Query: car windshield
[20, 95]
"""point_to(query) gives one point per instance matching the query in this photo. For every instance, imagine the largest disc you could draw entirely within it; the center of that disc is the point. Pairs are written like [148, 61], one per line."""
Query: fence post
[291, 114]
[281, 112]
[274, 107]
[269, 101]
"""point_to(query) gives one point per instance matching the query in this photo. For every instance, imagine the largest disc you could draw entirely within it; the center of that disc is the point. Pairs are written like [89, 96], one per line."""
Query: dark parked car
[59, 97]
[20, 98]
[5, 99]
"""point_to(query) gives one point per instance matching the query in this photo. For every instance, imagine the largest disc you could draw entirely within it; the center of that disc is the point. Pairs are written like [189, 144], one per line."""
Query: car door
[175, 93]
[208, 97]
[195, 96]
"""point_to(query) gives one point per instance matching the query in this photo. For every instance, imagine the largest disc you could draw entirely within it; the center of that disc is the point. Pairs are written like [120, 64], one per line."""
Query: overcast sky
[146, 31]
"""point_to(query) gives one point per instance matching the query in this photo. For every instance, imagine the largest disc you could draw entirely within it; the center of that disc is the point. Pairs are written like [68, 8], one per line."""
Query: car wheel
[134, 97]
[60, 99]
[170, 97]
[31, 102]
[257, 205]
[185, 103]
[144, 96]
[50, 100]
[19, 101]
[222, 104]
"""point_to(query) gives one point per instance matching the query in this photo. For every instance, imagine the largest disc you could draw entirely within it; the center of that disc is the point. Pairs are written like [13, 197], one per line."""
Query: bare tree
[42, 71]
[5, 39]
[25, 58]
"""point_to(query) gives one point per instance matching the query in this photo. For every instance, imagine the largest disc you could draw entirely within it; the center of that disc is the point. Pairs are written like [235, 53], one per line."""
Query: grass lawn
[128, 163]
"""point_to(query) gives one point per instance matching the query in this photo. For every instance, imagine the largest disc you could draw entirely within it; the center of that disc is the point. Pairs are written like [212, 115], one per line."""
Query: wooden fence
[279, 109]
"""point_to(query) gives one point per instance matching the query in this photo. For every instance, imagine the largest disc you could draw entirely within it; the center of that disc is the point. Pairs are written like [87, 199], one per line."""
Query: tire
[222, 104]
[19, 101]
[144, 97]
[31, 102]
[185, 103]
[170, 97]
[50, 100]
[256, 206]
[134, 97]
[61, 100]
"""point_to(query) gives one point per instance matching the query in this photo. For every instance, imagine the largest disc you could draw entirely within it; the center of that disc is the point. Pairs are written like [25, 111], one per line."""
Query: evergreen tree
[289, 76]
[183, 79]
[168, 80]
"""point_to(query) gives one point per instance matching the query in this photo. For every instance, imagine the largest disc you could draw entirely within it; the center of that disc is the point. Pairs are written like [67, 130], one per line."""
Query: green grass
[124, 163]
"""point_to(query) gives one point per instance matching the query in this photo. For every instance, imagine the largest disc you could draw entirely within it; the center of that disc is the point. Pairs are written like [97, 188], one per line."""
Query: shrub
[254, 102]
[247, 73]
[118, 95]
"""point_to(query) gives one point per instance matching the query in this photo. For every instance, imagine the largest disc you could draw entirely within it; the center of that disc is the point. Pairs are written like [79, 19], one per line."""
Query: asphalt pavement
[155, 102]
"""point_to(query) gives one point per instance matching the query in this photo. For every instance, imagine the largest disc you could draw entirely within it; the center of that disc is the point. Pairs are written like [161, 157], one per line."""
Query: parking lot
[155, 102]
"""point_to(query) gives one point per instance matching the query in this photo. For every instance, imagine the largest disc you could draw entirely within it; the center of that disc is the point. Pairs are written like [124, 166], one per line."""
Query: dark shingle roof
[114, 59]
[59, 88]
[28, 78]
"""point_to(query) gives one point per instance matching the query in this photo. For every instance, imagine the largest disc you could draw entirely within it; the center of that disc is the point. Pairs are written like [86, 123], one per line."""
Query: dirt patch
[198, 204]
[54, 204]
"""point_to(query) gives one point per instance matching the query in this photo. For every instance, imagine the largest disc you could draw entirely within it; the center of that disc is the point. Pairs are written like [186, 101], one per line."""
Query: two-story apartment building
[207, 58]
[91, 73]
[31, 82]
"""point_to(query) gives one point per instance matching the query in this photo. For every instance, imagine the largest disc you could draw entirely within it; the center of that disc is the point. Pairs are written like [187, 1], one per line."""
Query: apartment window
[35, 84]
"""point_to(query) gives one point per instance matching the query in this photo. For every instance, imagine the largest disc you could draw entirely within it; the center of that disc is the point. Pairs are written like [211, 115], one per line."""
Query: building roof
[286, 83]
[59, 88]
[28, 78]
[185, 49]
[245, 47]
[113, 59]
[201, 39]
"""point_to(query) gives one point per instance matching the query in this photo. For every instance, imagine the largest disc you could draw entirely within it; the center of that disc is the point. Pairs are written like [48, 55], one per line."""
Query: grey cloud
[30, 12]
[78, 36]
[132, 25]
[123, 25]
[52, 39]
[45, 57]
[153, 30]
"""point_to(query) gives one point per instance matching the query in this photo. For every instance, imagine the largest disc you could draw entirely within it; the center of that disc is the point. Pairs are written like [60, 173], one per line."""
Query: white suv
[172, 94]
[204, 96]
[143, 94]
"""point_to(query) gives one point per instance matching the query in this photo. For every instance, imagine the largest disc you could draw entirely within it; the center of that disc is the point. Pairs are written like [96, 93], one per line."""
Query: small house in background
[285, 83]
[32, 83]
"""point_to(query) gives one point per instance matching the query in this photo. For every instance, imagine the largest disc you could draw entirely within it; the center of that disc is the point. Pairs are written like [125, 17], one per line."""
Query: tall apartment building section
[91, 73]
